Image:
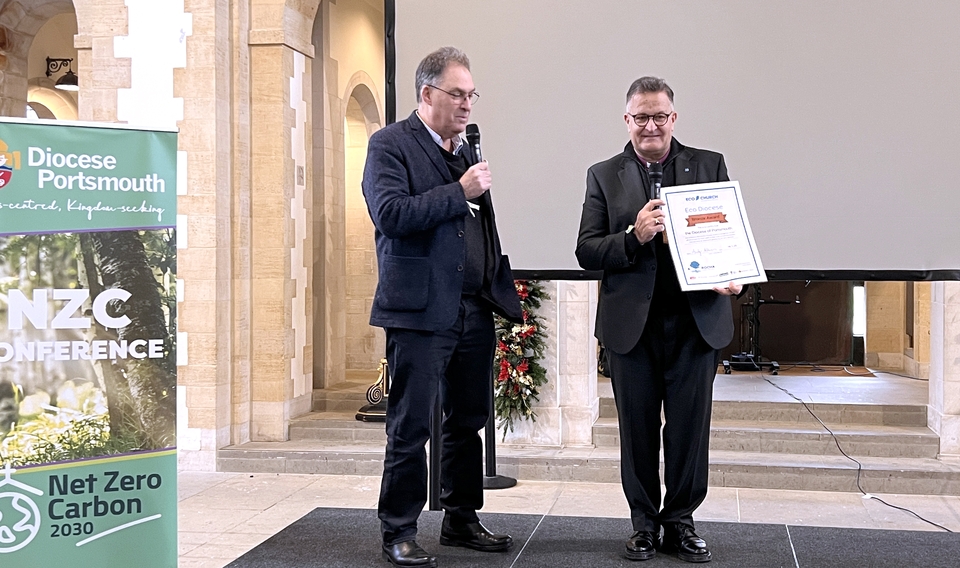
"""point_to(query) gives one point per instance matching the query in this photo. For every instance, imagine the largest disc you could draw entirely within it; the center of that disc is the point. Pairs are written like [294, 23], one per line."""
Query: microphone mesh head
[473, 133]
[655, 169]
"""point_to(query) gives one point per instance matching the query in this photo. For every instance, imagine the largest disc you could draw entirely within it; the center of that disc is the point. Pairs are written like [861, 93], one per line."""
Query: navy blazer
[614, 194]
[418, 211]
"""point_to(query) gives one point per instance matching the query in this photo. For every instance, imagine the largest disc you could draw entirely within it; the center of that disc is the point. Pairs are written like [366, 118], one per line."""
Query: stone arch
[60, 104]
[38, 110]
[343, 61]
[19, 22]
[365, 345]
[363, 89]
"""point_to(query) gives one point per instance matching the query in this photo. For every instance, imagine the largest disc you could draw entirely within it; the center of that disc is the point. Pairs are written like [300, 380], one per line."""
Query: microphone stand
[752, 360]
[490, 478]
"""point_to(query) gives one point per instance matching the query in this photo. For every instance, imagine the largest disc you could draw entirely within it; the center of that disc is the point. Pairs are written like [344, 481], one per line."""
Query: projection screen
[839, 119]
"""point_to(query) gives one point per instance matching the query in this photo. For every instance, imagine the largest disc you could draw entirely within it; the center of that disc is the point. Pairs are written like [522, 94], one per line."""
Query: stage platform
[349, 538]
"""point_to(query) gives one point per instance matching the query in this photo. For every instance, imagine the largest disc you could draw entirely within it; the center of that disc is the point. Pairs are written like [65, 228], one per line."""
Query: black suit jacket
[418, 210]
[615, 193]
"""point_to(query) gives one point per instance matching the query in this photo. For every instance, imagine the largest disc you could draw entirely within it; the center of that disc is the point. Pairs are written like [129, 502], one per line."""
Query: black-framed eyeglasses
[473, 96]
[659, 119]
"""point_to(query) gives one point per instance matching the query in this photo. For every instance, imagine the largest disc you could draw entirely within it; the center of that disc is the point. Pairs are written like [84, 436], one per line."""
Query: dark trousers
[672, 368]
[456, 364]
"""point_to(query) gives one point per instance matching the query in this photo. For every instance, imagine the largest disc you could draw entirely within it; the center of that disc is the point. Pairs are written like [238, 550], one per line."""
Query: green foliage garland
[517, 372]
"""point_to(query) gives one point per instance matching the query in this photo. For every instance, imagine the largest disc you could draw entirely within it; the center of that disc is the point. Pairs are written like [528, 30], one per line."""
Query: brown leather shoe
[408, 553]
[475, 536]
[642, 545]
[680, 538]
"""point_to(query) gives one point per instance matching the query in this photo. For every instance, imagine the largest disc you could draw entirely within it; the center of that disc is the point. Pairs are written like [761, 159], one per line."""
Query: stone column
[918, 364]
[943, 412]
[208, 324]
[568, 404]
[884, 340]
[280, 388]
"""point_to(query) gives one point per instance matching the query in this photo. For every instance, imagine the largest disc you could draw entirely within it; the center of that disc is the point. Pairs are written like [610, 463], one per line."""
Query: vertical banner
[88, 316]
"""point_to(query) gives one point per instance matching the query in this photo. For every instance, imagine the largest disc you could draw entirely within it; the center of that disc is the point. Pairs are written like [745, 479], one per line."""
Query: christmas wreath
[517, 372]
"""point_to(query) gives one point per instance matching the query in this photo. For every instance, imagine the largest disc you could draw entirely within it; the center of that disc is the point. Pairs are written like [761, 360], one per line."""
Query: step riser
[865, 446]
[299, 462]
[608, 471]
[338, 404]
[608, 408]
[338, 434]
[607, 436]
[886, 415]
[879, 415]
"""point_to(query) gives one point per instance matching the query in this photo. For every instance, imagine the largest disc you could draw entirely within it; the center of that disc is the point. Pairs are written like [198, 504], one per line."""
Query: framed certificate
[710, 237]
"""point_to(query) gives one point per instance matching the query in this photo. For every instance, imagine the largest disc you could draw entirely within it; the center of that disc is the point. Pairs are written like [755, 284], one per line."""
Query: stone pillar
[943, 412]
[918, 364]
[885, 312]
[279, 388]
[208, 326]
[99, 71]
[568, 404]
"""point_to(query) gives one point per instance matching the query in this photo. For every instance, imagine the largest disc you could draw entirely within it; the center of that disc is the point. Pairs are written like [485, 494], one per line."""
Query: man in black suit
[441, 275]
[662, 344]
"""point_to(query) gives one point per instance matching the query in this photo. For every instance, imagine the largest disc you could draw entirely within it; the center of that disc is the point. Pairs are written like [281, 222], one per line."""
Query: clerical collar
[661, 161]
[457, 141]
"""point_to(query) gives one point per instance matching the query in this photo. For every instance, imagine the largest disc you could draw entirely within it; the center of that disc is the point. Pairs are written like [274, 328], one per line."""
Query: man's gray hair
[432, 67]
[649, 85]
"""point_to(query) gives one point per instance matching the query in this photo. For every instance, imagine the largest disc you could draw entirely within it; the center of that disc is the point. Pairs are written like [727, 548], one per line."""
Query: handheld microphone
[473, 139]
[655, 171]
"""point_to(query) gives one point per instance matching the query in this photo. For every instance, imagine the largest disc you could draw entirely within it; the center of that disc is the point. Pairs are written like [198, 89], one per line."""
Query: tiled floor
[222, 515]
[827, 385]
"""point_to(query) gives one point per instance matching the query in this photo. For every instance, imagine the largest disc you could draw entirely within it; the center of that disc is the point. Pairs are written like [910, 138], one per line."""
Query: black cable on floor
[820, 368]
[846, 455]
[899, 375]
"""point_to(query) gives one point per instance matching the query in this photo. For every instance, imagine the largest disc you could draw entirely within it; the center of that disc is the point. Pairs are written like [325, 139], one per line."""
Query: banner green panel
[56, 177]
[117, 511]
[88, 327]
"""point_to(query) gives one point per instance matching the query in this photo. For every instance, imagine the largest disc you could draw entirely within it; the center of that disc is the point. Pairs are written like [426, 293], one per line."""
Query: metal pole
[433, 472]
[490, 479]
[390, 59]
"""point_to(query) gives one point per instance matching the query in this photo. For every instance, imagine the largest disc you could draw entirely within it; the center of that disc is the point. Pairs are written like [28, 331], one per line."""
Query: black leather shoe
[681, 539]
[475, 536]
[642, 545]
[408, 553]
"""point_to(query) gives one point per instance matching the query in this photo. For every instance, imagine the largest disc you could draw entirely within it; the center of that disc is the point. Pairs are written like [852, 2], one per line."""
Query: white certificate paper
[710, 237]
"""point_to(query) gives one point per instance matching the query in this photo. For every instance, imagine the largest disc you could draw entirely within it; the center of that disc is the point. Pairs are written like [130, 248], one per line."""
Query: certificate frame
[709, 236]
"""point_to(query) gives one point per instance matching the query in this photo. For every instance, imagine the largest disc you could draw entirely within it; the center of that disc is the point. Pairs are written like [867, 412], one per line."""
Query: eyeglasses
[659, 119]
[458, 96]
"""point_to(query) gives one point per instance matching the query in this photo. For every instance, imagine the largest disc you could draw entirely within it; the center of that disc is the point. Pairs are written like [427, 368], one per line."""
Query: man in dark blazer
[441, 277]
[662, 344]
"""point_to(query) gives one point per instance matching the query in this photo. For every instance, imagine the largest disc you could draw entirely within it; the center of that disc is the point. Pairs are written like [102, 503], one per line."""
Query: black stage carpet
[350, 538]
